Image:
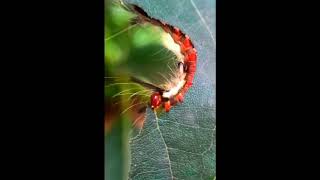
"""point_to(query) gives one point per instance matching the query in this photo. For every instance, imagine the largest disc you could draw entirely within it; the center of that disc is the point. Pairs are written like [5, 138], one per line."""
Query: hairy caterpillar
[179, 43]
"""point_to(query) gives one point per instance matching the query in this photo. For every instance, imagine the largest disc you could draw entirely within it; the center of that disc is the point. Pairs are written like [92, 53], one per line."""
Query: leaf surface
[181, 144]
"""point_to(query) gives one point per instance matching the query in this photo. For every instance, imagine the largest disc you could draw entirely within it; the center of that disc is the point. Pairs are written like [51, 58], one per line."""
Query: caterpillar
[187, 59]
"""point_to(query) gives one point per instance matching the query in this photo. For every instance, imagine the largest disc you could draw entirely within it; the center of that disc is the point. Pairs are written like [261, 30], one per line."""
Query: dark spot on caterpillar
[139, 10]
[183, 66]
[165, 99]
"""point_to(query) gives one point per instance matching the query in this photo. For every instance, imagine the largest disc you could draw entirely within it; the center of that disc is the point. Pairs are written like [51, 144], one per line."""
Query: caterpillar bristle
[183, 48]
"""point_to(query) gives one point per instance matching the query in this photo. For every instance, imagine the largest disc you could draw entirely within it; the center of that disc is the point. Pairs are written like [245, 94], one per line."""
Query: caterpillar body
[184, 49]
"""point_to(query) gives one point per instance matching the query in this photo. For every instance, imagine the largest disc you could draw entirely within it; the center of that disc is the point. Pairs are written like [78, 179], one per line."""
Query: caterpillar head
[156, 100]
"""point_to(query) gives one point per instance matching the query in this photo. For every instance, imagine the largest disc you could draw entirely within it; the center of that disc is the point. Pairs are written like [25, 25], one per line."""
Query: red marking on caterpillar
[160, 97]
[167, 106]
[156, 100]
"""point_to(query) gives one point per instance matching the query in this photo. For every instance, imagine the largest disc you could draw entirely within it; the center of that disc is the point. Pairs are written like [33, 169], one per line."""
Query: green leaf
[169, 148]
[181, 144]
[116, 151]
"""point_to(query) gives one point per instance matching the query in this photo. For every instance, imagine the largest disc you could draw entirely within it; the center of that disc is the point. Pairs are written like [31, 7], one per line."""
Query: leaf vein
[164, 142]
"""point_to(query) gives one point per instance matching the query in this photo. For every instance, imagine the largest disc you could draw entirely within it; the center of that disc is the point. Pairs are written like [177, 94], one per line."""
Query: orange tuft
[179, 97]
[167, 106]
